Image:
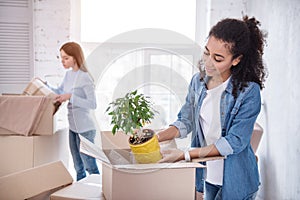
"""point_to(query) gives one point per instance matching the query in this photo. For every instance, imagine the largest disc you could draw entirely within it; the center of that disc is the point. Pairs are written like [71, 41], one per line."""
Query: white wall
[51, 30]
[279, 158]
[51, 24]
[209, 12]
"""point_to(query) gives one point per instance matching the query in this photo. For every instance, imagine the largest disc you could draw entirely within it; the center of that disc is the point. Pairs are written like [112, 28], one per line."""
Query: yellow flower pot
[148, 152]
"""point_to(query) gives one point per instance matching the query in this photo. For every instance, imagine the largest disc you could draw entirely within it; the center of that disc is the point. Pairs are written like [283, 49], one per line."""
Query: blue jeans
[82, 162]
[214, 192]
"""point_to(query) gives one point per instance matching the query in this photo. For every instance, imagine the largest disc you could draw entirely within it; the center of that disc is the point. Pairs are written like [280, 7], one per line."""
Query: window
[156, 73]
[101, 20]
[159, 66]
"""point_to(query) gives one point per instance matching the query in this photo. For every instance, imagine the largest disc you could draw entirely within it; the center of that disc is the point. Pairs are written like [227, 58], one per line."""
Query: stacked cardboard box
[33, 152]
[30, 113]
[23, 152]
[35, 183]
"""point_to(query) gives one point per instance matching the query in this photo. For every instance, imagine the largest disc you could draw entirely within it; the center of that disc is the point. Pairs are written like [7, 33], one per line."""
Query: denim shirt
[240, 175]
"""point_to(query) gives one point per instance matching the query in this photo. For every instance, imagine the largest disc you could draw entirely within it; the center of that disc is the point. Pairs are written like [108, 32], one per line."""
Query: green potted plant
[129, 114]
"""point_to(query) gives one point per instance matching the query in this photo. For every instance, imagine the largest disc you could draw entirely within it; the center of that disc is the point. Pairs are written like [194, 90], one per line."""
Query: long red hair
[73, 49]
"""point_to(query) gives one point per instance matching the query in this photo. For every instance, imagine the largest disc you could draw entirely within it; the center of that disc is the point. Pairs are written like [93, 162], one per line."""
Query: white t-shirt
[211, 124]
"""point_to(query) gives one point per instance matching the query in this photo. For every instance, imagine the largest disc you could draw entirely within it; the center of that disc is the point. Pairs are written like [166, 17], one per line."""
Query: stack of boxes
[33, 151]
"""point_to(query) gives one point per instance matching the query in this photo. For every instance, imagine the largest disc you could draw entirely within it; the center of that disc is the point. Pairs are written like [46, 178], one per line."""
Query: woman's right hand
[168, 134]
[63, 97]
[171, 155]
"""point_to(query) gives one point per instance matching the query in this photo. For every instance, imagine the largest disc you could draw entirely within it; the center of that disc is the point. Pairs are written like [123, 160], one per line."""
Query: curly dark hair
[246, 40]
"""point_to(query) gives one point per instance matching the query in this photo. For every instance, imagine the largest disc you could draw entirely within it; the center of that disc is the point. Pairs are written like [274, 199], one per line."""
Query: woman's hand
[171, 155]
[168, 134]
[63, 97]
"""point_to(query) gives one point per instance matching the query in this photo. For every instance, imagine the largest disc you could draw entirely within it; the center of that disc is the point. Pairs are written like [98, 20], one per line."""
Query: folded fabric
[22, 114]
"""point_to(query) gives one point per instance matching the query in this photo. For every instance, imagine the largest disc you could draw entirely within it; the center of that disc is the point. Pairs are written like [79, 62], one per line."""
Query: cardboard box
[22, 116]
[256, 136]
[89, 188]
[35, 181]
[157, 183]
[37, 88]
[121, 179]
[19, 153]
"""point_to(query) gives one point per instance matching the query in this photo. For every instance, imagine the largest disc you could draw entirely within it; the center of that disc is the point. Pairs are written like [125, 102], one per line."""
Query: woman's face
[218, 59]
[67, 61]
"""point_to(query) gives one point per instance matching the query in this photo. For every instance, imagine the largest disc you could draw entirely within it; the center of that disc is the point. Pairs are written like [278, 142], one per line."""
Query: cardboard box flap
[123, 159]
[36, 87]
[117, 141]
[208, 159]
[89, 188]
[24, 114]
[175, 165]
[107, 156]
[34, 181]
[78, 191]
[91, 149]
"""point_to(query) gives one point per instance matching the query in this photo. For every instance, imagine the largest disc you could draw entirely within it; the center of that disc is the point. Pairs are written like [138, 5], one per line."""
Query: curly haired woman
[220, 110]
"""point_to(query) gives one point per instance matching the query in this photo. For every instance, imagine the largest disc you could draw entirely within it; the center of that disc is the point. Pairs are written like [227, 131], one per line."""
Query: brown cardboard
[45, 195]
[155, 184]
[37, 88]
[121, 179]
[47, 125]
[256, 136]
[34, 181]
[117, 141]
[19, 153]
[89, 188]
[16, 154]
[45, 121]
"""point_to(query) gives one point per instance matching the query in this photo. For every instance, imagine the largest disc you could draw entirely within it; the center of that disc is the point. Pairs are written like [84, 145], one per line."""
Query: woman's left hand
[63, 97]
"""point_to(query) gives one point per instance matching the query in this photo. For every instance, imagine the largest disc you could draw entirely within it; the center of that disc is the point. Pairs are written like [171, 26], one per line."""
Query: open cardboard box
[123, 179]
[27, 115]
[35, 183]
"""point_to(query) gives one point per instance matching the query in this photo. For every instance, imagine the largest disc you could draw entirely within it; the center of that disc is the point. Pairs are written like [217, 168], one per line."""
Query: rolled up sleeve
[181, 127]
[223, 147]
